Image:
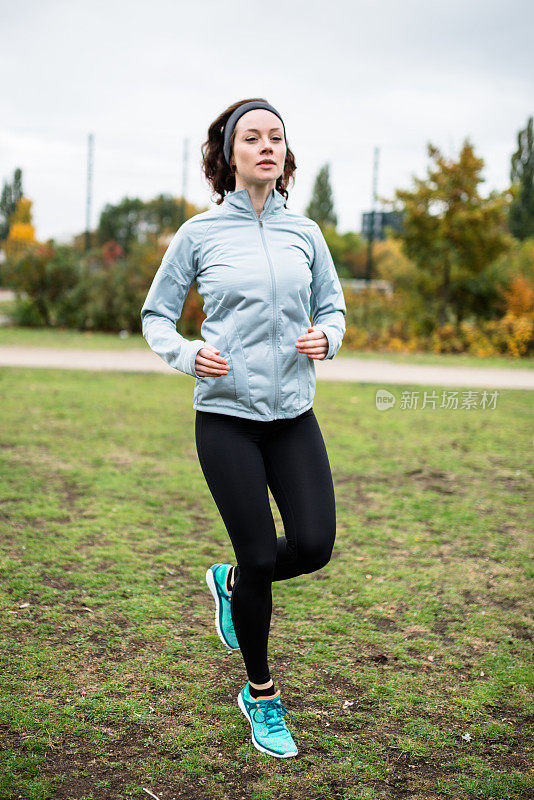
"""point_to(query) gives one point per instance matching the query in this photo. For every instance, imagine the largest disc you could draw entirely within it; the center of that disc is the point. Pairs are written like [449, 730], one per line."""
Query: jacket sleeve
[165, 299]
[328, 309]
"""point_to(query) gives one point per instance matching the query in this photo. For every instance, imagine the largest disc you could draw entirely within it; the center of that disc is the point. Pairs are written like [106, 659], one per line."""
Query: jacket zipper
[275, 339]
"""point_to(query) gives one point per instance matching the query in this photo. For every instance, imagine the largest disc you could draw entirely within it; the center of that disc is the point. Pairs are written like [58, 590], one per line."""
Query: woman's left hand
[313, 344]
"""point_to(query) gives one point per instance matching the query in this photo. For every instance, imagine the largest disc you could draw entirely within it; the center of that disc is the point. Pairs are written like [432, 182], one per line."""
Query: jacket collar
[240, 200]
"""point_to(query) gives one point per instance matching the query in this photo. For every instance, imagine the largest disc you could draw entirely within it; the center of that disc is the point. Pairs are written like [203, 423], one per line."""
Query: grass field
[51, 337]
[405, 662]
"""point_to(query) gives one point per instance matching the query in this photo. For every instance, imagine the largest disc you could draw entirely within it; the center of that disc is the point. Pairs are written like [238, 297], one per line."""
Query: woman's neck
[258, 193]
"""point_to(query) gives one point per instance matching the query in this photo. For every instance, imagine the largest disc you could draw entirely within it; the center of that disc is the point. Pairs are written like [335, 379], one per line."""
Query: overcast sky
[346, 75]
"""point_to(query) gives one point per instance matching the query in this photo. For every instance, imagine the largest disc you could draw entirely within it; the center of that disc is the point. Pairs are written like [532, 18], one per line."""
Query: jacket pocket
[310, 379]
[242, 387]
[225, 388]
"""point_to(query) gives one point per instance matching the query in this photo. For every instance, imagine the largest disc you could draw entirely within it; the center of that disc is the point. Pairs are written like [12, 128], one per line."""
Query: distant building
[382, 219]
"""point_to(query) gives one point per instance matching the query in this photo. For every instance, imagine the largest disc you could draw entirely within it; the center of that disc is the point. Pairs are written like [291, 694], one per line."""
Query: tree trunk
[445, 294]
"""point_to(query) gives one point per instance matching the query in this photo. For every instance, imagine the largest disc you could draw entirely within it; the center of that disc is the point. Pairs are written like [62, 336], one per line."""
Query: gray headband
[238, 112]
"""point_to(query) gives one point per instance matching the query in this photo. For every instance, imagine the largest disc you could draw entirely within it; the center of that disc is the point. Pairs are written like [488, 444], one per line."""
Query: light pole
[371, 233]
[89, 191]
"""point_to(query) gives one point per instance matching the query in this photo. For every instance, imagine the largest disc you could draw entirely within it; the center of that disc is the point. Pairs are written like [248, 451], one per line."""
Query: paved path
[379, 371]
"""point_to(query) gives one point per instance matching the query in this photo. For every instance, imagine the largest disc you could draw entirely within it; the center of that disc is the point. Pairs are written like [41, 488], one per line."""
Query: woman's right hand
[209, 364]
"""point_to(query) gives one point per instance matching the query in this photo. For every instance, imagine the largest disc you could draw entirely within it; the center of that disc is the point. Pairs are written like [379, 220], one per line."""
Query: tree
[121, 222]
[11, 194]
[521, 213]
[321, 205]
[135, 220]
[21, 230]
[451, 233]
[346, 250]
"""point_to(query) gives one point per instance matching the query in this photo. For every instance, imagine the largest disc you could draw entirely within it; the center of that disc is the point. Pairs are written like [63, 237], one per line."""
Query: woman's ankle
[268, 691]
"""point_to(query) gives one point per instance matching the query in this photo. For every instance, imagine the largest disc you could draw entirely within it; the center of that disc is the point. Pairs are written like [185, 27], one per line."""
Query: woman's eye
[251, 138]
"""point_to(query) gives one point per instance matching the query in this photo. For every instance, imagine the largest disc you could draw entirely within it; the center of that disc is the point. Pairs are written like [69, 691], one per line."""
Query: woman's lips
[267, 165]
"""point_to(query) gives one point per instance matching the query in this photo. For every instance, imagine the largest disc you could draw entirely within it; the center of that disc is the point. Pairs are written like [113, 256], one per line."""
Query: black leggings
[240, 458]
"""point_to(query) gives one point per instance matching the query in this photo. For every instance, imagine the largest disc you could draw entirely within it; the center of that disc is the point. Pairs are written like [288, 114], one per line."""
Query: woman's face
[259, 136]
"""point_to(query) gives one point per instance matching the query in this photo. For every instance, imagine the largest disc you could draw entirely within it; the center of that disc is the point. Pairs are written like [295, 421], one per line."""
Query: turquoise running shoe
[266, 716]
[216, 580]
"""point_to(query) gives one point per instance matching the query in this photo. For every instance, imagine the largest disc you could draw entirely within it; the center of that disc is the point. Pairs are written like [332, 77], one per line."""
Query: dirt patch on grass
[57, 582]
[51, 469]
[428, 479]
[353, 483]
[409, 773]
[383, 623]
[522, 630]
[121, 459]
[360, 487]
[436, 481]
[77, 768]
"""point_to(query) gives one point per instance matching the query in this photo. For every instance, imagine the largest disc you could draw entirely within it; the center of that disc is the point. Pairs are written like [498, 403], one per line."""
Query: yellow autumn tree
[21, 229]
[452, 234]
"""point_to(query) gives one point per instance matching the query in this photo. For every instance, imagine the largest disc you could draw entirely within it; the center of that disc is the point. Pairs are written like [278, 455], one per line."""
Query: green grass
[64, 337]
[442, 359]
[404, 662]
[52, 337]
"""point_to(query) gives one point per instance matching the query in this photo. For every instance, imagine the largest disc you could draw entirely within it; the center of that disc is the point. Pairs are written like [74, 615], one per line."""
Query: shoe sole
[256, 744]
[210, 580]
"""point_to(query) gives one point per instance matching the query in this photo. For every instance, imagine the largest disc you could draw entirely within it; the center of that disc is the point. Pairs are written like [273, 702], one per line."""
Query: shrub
[101, 290]
[42, 278]
[520, 297]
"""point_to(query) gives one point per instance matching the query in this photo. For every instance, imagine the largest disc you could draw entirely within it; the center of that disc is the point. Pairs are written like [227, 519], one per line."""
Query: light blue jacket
[262, 279]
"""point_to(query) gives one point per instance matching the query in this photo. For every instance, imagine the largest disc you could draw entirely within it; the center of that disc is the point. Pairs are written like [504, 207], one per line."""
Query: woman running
[263, 271]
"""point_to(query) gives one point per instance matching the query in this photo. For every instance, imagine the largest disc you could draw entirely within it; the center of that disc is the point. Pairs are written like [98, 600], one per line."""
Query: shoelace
[276, 708]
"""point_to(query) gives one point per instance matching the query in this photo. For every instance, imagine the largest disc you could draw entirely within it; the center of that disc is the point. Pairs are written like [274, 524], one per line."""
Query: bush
[101, 290]
[520, 298]
[394, 324]
[42, 278]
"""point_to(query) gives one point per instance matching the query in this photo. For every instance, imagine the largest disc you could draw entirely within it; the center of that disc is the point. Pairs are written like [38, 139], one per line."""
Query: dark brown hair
[221, 175]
